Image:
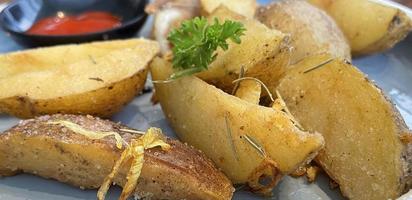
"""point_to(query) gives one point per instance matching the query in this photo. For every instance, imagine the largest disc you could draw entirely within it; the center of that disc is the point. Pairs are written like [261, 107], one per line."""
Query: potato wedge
[246, 8]
[312, 30]
[263, 53]
[95, 78]
[250, 91]
[364, 153]
[369, 27]
[219, 124]
[54, 151]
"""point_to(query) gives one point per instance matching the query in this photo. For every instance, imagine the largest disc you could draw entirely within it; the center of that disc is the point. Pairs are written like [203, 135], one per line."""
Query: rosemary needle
[317, 66]
[255, 145]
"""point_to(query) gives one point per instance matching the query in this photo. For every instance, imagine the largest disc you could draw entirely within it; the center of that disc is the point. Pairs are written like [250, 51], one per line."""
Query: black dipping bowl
[20, 15]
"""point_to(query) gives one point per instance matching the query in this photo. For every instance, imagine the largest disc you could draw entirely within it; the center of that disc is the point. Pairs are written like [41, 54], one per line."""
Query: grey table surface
[392, 71]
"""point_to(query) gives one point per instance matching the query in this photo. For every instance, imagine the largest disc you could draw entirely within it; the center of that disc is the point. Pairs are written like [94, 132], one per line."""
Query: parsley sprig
[195, 43]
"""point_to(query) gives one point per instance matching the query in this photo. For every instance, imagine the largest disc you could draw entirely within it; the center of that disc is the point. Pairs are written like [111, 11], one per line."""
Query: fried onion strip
[135, 151]
[267, 169]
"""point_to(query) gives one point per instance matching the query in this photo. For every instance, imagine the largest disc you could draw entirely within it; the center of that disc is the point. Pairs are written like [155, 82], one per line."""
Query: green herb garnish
[195, 43]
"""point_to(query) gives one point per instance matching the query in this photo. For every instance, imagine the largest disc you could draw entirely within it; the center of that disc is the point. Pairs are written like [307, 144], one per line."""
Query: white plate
[391, 70]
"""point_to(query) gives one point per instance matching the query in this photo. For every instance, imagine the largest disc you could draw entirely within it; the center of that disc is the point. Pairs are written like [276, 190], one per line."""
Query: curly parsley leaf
[195, 42]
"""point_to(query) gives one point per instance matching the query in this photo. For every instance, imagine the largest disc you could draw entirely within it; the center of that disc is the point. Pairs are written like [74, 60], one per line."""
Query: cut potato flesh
[364, 153]
[218, 123]
[249, 90]
[263, 53]
[246, 8]
[96, 78]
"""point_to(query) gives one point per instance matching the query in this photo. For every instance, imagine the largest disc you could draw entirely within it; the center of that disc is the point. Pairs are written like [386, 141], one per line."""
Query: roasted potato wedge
[249, 90]
[369, 26]
[263, 53]
[54, 151]
[246, 8]
[220, 125]
[312, 31]
[364, 152]
[95, 78]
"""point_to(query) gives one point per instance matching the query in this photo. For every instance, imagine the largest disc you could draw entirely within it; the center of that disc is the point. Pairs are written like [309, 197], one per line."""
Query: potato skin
[102, 102]
[312, 31]
[376, 28]
[364, 152]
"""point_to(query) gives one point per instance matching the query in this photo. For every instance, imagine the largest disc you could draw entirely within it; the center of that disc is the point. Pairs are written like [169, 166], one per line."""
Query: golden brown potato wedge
[369, 27]
[54, 151]
[220, 125]
[246, 8]
[364, 153]
[312, 31]
[263, 53]
[250, 91]
[96, 78]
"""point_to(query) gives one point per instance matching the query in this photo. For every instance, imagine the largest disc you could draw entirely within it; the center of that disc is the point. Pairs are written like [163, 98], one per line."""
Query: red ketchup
[88, 22]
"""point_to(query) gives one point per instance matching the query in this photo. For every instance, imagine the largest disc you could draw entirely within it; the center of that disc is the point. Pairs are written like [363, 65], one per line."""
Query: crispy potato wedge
[250, 91]
[364, 153]
[54, 151]
[369, 27]
[96, 78]
[263, 53]
[312, 30]
[246, 8]
[219, 124]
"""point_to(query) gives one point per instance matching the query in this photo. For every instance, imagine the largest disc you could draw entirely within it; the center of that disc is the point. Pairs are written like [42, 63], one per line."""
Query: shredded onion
[94, 135]
[135, 151]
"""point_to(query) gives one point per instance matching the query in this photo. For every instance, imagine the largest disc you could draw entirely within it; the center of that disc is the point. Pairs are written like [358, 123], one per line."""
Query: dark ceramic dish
[20, 15]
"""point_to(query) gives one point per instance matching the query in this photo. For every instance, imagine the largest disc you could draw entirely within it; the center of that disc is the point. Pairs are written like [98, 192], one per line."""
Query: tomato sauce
[88, 22]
